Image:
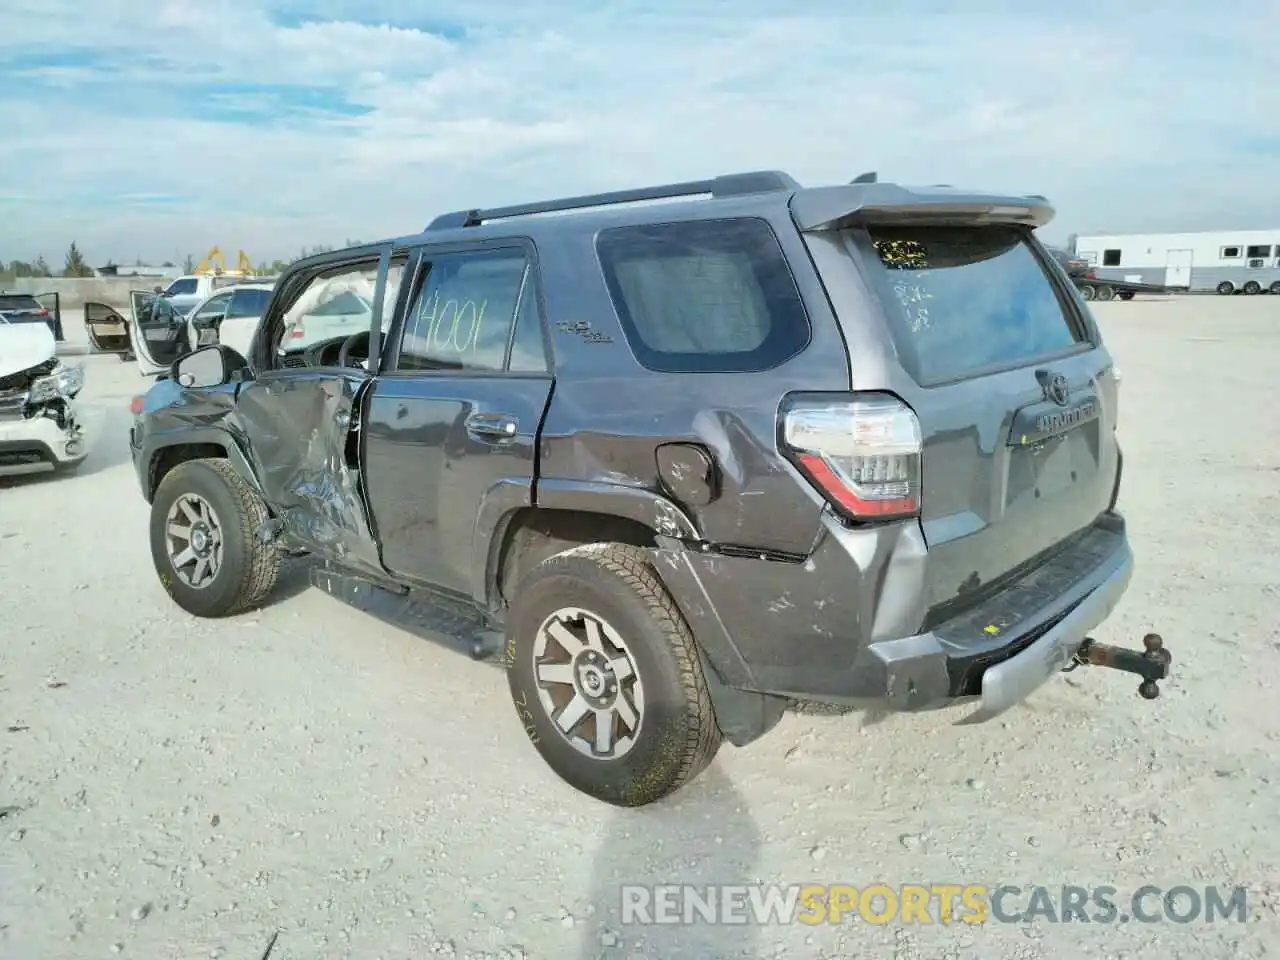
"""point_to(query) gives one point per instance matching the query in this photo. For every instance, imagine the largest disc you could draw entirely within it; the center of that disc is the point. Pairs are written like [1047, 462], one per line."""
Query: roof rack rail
[726, 185]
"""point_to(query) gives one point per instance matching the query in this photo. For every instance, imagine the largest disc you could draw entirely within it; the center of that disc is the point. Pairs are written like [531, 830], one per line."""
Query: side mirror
[209, 366]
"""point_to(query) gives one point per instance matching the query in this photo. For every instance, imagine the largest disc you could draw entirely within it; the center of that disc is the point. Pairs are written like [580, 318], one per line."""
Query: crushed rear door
[1013, 388]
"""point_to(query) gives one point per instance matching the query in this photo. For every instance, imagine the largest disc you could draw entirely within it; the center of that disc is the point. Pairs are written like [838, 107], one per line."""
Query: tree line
[75, 265]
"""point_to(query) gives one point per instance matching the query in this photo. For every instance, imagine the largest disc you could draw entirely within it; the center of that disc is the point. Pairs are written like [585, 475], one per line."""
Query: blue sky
[158, 128]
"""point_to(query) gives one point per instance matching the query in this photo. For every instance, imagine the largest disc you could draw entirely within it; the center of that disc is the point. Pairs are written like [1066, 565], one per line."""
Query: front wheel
[204, 543]
[606, 677]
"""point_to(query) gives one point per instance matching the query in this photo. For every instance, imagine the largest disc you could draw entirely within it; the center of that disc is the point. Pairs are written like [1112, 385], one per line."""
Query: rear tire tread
[702, 736]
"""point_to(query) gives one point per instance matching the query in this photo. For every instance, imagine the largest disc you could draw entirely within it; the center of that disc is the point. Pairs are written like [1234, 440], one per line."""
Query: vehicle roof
[229, 288]
[247, 285]
[811, 207]
[759, 193]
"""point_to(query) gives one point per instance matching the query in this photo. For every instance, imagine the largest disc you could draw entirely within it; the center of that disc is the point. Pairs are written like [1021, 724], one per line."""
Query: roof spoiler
[833, 208]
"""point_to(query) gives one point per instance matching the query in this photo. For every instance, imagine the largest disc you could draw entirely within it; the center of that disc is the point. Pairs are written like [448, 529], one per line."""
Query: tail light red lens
[862, 453]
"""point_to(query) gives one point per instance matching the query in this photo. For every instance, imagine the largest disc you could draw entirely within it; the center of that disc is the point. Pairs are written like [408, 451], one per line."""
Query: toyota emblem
[1057, 390]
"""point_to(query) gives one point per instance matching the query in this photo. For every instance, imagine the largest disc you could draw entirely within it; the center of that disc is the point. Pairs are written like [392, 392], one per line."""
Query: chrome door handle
[498, 425]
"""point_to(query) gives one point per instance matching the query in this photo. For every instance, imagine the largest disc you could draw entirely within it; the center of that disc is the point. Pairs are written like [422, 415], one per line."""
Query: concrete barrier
[74, 291]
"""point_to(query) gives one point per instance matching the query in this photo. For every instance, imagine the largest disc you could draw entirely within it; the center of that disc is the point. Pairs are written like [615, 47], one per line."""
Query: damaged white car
[39, 431]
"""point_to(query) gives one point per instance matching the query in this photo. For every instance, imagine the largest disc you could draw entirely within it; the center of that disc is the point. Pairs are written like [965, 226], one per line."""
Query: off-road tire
[678, 735]
[249, 567]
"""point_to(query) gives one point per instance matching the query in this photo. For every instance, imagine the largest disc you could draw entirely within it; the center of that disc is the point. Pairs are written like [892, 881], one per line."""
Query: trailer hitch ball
[1152, 664]
[1156, 654]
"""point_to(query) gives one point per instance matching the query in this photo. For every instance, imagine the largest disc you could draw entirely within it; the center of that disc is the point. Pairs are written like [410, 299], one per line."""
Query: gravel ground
[171, 787]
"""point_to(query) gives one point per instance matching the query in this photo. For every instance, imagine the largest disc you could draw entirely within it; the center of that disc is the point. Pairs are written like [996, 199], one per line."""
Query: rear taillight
[42, 313]
[136, 405]
[861, 451]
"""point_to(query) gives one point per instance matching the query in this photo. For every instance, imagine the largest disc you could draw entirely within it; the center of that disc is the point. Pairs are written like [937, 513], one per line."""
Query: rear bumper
[787, 629]
[1007, 675]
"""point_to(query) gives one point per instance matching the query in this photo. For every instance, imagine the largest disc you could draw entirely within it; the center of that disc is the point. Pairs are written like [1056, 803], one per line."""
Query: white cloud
[1159, 120]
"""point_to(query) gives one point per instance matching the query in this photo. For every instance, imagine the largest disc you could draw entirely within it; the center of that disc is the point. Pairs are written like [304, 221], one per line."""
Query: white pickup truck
[185, 293]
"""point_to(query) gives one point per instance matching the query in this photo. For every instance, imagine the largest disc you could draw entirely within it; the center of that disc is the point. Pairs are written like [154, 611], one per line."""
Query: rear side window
[180, 288]
[965, 299]
[704, 296]
[248, 303]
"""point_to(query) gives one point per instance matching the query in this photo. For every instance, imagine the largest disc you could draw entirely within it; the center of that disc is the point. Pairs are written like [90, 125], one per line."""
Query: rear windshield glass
[704, 295]
[18, 302]
[967, 298]
[346, 304]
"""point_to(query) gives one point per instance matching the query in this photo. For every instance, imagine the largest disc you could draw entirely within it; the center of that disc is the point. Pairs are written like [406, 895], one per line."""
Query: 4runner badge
[585, 330]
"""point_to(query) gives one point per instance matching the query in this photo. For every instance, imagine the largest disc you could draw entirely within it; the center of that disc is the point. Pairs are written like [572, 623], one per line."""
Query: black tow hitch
[1152, 664]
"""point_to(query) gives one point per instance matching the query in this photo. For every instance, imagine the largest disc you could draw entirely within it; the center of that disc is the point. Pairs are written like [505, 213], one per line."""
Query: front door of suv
[299, 414]
[452, 423]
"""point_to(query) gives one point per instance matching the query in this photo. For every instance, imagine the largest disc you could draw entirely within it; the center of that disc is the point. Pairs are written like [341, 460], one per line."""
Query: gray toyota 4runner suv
[676, 464]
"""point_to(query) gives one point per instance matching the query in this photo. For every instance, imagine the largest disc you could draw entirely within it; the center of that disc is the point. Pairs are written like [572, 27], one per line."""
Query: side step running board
[426, 620]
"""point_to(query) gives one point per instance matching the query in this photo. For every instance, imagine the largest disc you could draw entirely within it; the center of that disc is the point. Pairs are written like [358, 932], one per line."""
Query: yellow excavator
[244, 267]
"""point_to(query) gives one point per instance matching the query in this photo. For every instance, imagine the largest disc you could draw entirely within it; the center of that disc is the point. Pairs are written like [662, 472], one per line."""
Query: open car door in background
[108, 330]
[159, 333]
[206, 320]
[53, 303]
[28, 308]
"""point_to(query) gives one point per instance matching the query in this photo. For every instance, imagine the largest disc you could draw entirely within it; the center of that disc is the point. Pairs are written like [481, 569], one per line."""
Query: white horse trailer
[1240, 261]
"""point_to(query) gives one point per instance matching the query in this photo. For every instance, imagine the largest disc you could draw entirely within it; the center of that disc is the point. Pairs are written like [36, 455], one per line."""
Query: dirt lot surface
[171, 787]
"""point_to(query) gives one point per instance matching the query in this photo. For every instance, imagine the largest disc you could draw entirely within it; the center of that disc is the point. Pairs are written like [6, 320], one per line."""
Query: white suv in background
[229, 316]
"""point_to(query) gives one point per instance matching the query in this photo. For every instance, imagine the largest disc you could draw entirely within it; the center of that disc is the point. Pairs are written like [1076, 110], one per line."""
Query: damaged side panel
[614, 422]
[301, 433]
[856, 587]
